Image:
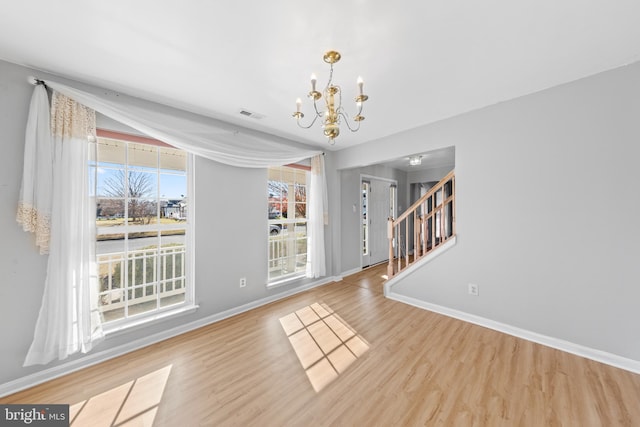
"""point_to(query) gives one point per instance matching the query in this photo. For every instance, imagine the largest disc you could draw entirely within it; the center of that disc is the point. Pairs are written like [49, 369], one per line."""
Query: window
[393, 201]
[287, 212]
[142, 204]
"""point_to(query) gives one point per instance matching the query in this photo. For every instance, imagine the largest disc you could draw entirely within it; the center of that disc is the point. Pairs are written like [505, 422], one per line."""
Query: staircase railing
[423, 227]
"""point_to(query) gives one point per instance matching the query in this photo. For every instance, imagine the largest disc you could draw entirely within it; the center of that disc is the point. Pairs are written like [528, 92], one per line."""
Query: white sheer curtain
[318, 217]
[204, 137]
[34, 205]
[69, 320]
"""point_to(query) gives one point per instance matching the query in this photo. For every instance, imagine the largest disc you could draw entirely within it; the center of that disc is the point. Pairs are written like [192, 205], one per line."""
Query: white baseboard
[101, 356]
[579, 350]
[350, 272]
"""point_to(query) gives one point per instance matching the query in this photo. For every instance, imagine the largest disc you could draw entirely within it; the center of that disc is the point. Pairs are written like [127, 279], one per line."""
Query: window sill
[285, 281]
[127, 326]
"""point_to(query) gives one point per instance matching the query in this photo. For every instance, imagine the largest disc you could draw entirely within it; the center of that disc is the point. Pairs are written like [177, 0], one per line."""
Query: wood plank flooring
[375, 362]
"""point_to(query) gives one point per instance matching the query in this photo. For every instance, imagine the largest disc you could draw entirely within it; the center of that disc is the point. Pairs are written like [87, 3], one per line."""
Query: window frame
[298, 273]
[159, 312]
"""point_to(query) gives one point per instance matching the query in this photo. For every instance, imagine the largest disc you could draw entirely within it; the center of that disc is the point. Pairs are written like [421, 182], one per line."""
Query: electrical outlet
[243, 282]
[473, 289]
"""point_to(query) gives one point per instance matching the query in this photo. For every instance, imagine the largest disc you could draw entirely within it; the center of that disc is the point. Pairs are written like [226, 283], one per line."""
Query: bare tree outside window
[138, 185]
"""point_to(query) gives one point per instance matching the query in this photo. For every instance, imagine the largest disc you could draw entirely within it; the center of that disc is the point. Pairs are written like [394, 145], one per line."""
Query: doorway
[378, 203]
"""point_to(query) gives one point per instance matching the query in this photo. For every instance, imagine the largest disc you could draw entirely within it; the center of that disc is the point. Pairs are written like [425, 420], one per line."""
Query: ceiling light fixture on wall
[415, 160]
[333, 112]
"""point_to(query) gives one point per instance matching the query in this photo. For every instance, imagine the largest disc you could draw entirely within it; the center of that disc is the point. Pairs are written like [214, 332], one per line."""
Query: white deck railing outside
[145, 284]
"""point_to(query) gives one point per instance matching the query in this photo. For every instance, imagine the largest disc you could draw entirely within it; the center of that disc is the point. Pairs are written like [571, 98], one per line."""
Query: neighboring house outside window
[142, 205]
[287, 213]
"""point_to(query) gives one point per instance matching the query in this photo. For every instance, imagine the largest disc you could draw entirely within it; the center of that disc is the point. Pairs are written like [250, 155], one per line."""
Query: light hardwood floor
[342, 354]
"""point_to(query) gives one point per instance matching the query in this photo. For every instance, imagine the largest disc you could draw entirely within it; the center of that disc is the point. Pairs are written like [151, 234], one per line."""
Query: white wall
[548, 212]
[230, 241]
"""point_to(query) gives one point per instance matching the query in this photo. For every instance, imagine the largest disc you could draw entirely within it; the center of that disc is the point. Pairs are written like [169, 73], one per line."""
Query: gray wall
[548, 210]
[230, 239]
[429, 175]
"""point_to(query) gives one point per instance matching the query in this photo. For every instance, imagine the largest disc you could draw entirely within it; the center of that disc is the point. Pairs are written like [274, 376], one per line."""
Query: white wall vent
[251, 114]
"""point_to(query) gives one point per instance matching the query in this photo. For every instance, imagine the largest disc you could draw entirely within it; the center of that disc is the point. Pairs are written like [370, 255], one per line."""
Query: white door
[378, 209]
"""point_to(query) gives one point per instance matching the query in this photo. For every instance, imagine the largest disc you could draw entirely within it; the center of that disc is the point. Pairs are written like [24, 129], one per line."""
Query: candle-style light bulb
[313, 82]
[360, 85]
[298, 104]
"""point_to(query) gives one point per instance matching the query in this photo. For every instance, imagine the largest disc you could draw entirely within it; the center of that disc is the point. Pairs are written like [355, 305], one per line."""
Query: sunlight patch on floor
[133, 403]
[324, 343]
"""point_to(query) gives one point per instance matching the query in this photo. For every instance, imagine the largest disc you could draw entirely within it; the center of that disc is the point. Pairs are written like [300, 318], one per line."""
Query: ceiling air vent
[251, 114]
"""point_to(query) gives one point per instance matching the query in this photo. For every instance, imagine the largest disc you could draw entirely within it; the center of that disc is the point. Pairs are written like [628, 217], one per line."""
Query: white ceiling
[421, 60]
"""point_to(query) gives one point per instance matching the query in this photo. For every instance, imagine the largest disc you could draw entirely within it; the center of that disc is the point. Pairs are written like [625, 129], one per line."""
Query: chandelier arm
[315, 107]
[346, 122]
[342, 113]
[310, 124]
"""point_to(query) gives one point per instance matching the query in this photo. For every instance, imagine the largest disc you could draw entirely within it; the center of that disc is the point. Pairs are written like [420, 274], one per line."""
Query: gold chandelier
[333, 113]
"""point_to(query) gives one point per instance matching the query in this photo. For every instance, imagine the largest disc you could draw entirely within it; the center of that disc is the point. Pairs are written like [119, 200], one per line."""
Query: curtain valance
[199, 135]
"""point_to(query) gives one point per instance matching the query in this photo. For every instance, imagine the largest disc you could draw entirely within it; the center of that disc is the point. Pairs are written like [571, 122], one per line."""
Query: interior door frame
[369, 178]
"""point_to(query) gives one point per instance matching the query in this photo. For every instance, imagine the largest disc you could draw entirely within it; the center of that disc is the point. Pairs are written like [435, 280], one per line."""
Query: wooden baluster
[427, 235]
[423, 245]
[433, 223]
[442, 212]
[453, 206]
[406, 242]
[416, 235]
[399, 257]
[417, 251]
